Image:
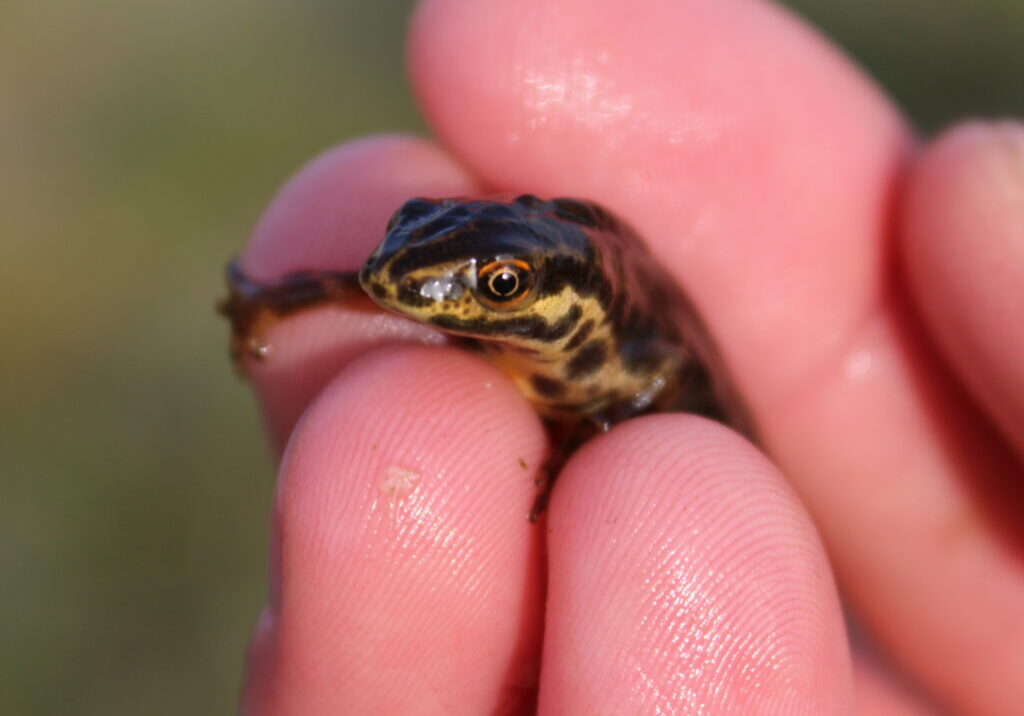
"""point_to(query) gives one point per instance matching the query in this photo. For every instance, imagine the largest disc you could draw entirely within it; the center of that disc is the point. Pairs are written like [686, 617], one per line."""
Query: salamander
[560, 295]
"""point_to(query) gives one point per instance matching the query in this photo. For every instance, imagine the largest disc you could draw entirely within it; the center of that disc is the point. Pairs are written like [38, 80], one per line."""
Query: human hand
[677, 572]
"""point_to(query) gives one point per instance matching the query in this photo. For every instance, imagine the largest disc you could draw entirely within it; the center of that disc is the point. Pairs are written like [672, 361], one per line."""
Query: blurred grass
[138, 143]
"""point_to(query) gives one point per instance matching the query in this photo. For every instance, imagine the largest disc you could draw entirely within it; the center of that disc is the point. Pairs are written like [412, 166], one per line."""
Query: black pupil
[504, 284]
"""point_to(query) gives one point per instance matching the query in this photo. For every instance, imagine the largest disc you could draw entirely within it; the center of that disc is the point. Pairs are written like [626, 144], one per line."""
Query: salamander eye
[504, 283]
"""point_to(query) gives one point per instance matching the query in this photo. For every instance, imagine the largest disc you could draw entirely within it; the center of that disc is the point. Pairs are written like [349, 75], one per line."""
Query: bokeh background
[139, 141]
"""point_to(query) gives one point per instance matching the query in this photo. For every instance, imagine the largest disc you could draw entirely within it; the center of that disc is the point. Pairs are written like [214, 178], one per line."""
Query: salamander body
[560, 295]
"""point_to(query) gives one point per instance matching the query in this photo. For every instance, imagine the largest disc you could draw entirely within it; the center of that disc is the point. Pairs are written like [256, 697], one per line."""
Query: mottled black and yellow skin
[561, 296]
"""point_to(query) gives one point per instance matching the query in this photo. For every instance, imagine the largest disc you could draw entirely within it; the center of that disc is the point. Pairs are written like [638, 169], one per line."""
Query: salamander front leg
[253, 307]
[565, 439]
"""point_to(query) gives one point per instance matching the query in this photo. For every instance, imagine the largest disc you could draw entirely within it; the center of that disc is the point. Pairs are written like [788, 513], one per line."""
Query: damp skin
[560, 295]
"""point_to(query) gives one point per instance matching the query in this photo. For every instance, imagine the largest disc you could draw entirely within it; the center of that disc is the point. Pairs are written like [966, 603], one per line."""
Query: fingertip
[755, 160]
[436, 411]
[964, 259]
[330, 216]
[403, 538]
[332, 212]
[683, 571]
[672, 447]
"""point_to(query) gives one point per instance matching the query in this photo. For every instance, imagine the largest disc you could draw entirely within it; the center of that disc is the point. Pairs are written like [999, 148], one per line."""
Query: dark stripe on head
[414, 209]
[533, 327]
[455, 245]
[576, 272]
[587, 360]
[572, 317]
[581, 335]
[410, 296]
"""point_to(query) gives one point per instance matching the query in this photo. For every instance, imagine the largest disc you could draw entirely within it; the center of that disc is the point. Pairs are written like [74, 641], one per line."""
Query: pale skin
[867, 290]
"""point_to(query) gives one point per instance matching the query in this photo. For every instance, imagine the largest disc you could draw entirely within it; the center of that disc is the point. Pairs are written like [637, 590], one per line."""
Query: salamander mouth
[411, 296]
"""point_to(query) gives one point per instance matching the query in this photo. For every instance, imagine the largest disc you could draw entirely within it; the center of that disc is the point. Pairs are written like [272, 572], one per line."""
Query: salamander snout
[371, 280]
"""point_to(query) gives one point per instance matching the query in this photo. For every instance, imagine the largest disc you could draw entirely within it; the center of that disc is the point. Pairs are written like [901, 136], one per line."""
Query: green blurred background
[138, 143]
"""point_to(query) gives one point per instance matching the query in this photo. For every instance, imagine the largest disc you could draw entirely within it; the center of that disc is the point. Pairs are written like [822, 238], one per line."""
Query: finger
[762, 183]
[964, 251]
[763, 170]
[405, 575]
[330, 216]
[685, 578]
